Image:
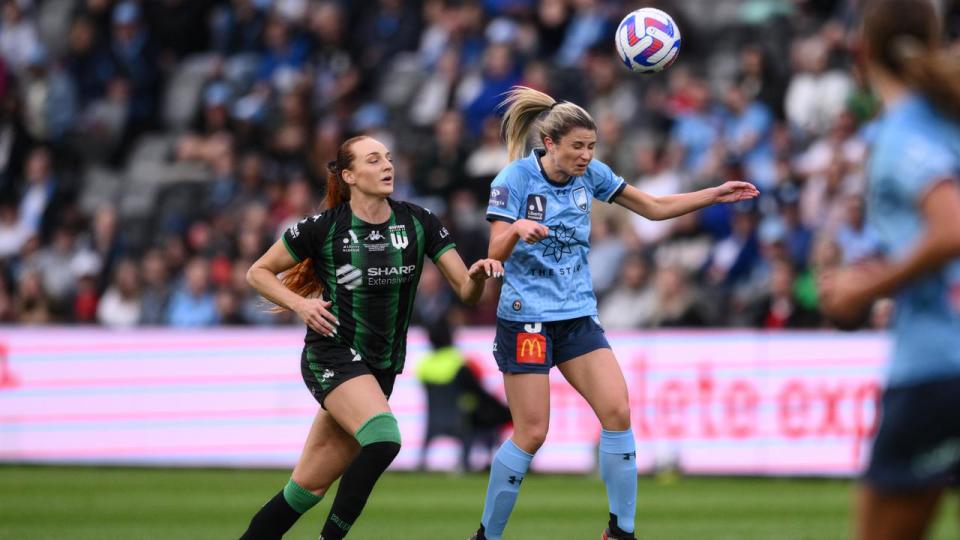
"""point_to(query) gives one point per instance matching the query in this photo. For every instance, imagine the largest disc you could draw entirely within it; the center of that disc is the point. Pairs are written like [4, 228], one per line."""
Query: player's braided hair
[904, 37]
[301, 279]
[526, 107]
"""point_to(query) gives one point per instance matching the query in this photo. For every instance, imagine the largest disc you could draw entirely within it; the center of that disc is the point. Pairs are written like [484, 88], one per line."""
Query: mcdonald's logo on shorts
[531, 348]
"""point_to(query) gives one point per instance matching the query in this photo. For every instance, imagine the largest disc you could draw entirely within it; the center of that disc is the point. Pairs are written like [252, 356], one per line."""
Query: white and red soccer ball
[648, 40]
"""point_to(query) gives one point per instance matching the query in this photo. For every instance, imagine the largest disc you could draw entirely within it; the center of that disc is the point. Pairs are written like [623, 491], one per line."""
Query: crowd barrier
[708, 402]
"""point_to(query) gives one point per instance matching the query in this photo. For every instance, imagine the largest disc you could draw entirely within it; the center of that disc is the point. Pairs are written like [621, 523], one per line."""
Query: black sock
[355, 487]
[272, 521]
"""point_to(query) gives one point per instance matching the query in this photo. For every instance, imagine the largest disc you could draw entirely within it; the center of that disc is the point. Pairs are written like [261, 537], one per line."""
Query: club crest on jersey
[580, 199]
[536, 207]
[398, 236]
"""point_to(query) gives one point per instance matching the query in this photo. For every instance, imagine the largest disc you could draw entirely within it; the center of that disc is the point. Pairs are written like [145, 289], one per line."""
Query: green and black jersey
[370, 273]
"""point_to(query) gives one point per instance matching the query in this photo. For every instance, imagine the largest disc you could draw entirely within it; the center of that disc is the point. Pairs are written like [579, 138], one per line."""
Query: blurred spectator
[30, 303]
[488, 157]
[760, 79]
[798, 237]
[8, 308]
[825, 255]
[180, 26]
[434, 299]
[192, 302]
[816, 94]
[441, 168]
[120, 306]
[155, 289]
[607, 251]
[87, 61]
[18, 33]
[286, 51]
[822, 201]
[136, 61]
[675, 302]
[481, 93]
[747, 133]
[436, 92]
[630, 304]
[50, 103]
[457, 404]
[856, 239]
[734, 258]
[778, 307]
[60, 265]
[14, 233]
[696, 130]
[237, 28]
[40, 189]
[587, 27]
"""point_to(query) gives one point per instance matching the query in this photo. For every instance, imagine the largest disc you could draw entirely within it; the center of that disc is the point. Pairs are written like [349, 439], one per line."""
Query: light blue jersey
[549, 281]
[914, 149]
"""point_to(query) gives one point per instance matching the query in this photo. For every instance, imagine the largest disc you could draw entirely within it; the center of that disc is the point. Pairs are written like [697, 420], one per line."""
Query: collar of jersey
[538, 153]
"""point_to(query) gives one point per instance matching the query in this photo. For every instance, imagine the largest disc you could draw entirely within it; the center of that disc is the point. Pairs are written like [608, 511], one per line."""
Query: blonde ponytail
[524, 106]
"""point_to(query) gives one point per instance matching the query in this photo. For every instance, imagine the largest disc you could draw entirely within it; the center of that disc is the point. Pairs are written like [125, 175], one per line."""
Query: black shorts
[326, 366]
[536, 347]
[918, 444]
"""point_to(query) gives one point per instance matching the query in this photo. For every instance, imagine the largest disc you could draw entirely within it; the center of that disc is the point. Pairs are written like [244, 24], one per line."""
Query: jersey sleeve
[504, 204]
[923, 163]
[606, 184]
[438, 239]
[304, 239]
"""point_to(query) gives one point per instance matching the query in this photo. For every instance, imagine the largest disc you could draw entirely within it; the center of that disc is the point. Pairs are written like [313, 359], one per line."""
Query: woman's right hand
[529, 231]
[315, 312]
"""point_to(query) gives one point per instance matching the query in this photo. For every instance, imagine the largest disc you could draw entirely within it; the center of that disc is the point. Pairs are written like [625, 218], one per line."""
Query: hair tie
[554, 104]
[332, 166]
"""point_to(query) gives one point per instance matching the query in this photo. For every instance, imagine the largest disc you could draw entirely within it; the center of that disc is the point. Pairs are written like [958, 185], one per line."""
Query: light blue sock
[618, 469]
[509, 466]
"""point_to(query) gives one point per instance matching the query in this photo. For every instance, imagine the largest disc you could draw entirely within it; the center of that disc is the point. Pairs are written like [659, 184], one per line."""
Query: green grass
[66, 503]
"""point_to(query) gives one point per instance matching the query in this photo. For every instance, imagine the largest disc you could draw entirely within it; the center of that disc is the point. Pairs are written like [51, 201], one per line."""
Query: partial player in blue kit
[547, 314]
[913, 202]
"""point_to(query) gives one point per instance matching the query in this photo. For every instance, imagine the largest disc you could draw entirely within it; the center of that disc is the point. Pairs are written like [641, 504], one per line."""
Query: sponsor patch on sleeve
[499, 197]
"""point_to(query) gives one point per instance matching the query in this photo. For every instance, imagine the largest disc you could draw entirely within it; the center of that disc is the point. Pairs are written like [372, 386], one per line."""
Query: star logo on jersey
[558, 243]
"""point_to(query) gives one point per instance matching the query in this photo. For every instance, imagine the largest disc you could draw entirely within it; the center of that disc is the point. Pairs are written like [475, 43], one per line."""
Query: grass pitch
[67, 503]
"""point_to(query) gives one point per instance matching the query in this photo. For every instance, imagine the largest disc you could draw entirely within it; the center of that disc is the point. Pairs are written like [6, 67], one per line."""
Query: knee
[530, 436]
[616, 417]
[379, 437]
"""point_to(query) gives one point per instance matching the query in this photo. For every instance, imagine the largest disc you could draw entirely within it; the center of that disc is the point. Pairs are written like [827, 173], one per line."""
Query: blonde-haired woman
[539, 211]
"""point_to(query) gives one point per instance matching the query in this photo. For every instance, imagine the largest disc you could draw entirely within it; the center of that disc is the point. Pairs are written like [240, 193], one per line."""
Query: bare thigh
[528, 395]
[597, 377]
[331, 445]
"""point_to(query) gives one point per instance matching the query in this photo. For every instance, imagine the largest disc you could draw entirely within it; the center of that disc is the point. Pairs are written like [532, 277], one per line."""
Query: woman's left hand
[734, 191]
[485, 269]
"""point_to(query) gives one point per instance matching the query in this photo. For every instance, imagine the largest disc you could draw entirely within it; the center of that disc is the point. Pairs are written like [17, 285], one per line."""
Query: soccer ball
[648, 40]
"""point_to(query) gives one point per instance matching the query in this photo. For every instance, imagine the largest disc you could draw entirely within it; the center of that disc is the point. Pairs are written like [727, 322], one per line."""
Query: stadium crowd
[150, 151]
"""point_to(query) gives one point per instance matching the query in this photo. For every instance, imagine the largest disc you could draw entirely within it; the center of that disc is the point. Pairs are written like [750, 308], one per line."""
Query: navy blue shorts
[918, 444]
[536, 347]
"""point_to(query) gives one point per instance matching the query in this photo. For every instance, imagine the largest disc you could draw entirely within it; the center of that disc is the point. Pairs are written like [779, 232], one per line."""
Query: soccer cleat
[479, 534]
[612, 532]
